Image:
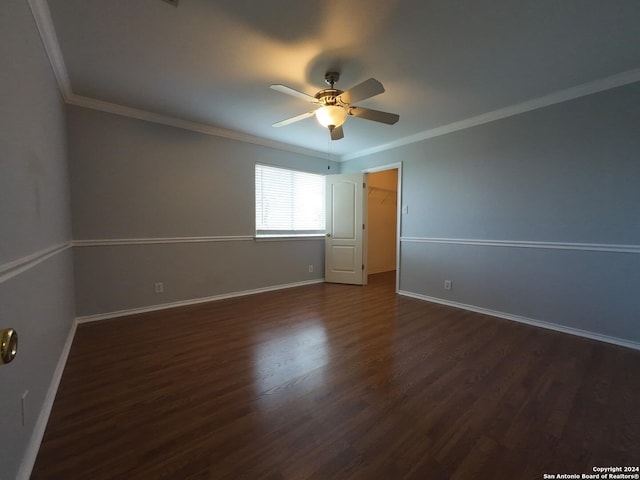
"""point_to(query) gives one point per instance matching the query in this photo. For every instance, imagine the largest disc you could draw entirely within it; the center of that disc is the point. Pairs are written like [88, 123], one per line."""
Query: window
[288, 202]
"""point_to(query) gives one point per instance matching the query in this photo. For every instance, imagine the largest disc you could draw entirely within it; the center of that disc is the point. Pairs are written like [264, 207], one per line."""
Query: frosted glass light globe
[334, 115]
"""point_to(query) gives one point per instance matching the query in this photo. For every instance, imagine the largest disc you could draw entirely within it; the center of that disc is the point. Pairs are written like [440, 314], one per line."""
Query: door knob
[328, 234]
[8, 345]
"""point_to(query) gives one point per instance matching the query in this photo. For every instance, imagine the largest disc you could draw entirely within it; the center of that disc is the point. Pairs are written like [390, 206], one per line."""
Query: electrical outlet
[447, 284]
[310, 268]
[159, 287]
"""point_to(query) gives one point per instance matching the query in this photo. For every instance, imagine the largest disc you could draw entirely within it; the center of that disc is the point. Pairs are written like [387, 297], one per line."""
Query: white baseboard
[529, 321]
[194, 301]
[31, 453]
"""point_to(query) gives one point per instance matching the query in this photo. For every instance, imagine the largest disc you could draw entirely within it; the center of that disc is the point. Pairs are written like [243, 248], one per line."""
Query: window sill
[276, 238]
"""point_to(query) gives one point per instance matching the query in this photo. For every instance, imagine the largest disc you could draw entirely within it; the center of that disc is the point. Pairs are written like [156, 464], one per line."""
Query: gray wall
[568, 173]
[139, 183]
[35, 298]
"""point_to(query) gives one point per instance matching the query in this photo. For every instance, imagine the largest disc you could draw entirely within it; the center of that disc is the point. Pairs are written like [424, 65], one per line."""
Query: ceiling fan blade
[302, 116]
[362, 91]
[294, 93]
[375, 115]
[337, 133]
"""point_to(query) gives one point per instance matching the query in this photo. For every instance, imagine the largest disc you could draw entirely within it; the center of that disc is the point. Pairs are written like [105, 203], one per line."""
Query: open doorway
[383, 225]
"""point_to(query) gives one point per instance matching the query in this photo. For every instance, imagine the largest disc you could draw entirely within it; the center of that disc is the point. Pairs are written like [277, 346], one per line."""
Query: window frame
[277, 234]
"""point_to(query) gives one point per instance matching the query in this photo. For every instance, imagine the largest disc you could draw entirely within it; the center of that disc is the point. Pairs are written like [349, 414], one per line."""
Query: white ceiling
[441, 62]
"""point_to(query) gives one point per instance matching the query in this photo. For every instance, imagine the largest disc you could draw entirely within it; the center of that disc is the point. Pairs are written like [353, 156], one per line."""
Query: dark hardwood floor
[337, 382]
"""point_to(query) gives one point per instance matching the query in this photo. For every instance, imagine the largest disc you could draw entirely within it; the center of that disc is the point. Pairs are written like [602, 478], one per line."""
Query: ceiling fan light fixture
[334, 106]
[331, 115]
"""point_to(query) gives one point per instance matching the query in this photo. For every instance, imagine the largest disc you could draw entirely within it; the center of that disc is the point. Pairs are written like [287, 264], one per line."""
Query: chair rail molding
[16, 267]
[593, 247]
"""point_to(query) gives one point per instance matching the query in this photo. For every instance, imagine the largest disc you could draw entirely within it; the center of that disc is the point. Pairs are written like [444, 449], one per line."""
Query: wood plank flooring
[337, 382]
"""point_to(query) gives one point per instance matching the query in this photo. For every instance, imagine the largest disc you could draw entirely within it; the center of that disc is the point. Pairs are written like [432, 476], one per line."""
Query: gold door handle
[8, 345]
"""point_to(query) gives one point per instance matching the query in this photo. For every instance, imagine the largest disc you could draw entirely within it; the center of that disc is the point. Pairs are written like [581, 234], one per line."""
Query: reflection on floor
[337, 382]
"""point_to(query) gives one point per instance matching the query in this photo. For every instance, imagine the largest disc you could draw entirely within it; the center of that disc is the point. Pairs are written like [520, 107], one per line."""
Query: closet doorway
[383, 220]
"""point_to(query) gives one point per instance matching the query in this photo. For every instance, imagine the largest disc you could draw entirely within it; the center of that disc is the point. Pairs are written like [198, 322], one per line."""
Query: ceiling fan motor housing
[328, 96]
[331, 78]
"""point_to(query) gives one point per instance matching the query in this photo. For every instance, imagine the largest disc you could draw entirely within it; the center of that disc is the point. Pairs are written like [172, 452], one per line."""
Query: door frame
[382, 168]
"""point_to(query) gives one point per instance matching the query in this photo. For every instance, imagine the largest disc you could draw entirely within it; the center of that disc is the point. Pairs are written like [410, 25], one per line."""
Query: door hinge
[364, 185]
[363, 266]
[363, 226]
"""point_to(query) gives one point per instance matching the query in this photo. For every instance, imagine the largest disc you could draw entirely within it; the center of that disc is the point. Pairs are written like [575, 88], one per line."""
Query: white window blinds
[288, 202]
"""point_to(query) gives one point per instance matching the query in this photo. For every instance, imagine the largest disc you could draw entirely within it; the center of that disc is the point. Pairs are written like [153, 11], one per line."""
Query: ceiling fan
[335, 105]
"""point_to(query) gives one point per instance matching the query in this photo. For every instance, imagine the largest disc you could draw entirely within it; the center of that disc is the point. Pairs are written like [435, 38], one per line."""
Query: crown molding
[618, 80]
[101, 105]
[42, 17]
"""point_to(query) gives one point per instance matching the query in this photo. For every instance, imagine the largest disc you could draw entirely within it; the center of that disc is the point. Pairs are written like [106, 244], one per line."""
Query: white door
[345, 245]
